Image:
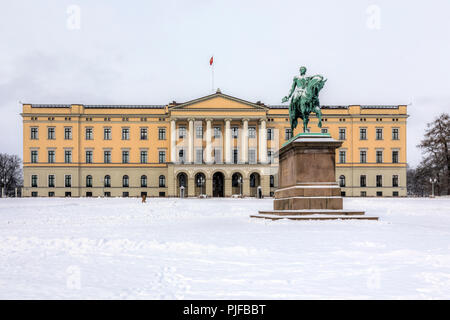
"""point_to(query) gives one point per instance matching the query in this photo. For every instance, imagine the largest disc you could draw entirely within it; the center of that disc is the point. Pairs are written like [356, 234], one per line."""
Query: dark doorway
[255, 182]
[182, 184]
[218, 186]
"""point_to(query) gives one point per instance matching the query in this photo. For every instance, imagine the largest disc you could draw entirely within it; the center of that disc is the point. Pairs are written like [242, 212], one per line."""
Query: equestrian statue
[304, 95]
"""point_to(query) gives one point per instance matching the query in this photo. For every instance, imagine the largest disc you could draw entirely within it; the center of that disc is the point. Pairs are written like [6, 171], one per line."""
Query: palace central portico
[219, 147]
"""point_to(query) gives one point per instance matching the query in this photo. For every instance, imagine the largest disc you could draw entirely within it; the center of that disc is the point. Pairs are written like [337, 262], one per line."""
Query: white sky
[153, 52]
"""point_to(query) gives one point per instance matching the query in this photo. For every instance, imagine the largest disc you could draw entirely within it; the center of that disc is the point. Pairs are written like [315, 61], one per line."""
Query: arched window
[88, 181]
[107, 181]
[342, 181]
[125, 181]
[143, 181]
[162, 181]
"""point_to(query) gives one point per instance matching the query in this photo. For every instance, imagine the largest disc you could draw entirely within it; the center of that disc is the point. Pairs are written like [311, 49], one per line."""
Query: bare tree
[10, 172]
[436, 161]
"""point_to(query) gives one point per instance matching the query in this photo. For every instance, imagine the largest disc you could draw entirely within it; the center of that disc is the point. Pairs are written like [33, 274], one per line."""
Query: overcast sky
[153, 52]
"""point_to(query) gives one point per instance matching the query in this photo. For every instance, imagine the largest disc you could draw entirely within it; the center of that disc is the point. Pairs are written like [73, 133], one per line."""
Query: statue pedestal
[307, 181]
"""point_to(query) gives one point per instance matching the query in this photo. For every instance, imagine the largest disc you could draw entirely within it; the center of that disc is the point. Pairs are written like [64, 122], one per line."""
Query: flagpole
[212, 75]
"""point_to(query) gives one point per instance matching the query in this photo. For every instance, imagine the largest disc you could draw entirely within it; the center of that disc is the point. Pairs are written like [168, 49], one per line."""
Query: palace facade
[217, 145]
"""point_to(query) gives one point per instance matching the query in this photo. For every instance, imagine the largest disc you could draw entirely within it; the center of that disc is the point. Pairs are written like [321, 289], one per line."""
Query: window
[252, 132]
[51, 180]
[181, 132]
[107, 133]
[68, 181]
[67, 133]
[362, 134]
[107, 181]
[68, 156]
[341, 133]
[217, 155]
[144, 134]
[234, 132]
[395, 180]
[181, 156]
[143, 181]
[379, 193]
[51, 194]
[324, 130]
[107, 194]
[89, 134]
[162, 194]
[89, 156]
[125, 156]
[199, 155]
[379, 156]
[34, 181]
[162, 181]
[51, 156]
[125, 194]
[162, 156]
[287, 134]
[362, 181]
[34, 133]
[217, 133]
[34, 194]
[107, 156]
[51, 133]
[125, 134]
[379, 133]
[252, 156]
[395, 193]
[125, 181]
[235, 156]
[162, 133]
[34, 156]
[272, 181]
[270, 133]
[395, 134]
[363, 156]
[363, 193]
[342, 181]
[199, 132]
[88, 193]
[395, 156]
[144, 156]
[342, 156]
[88, 181]
[270, 156]
[379, 180]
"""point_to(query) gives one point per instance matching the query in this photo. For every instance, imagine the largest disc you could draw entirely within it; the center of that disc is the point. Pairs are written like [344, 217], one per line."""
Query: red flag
[211, 61]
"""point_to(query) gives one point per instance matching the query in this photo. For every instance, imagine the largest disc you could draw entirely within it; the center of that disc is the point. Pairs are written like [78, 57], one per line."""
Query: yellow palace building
[217, 145]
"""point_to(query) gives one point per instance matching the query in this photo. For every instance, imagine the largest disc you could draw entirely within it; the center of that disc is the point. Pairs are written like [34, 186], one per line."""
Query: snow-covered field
[210, 249]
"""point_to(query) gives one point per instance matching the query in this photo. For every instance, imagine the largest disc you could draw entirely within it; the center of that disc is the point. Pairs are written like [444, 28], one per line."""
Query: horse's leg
[319, 115]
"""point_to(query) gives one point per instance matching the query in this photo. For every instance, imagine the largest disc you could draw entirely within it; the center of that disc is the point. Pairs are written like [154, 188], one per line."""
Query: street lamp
[201, 182]
[3, 187]
[240, 184]
[432, 181]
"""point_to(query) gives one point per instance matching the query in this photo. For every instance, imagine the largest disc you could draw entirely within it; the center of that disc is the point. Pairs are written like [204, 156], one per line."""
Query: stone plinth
[307, 181]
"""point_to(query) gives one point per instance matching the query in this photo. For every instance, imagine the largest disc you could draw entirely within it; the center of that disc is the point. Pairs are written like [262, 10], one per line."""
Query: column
[191, 141]
[244, 143]
[208, 142]
[173, 139]
[227, 141]
[262, 141]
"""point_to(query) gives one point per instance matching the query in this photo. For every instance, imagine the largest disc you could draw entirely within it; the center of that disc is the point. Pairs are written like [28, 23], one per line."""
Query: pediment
[219, 101]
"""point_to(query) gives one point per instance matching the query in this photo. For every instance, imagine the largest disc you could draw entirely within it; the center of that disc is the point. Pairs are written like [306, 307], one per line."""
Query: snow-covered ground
[210, 249]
